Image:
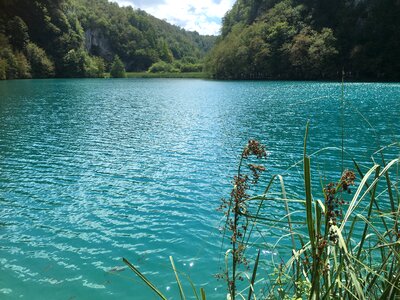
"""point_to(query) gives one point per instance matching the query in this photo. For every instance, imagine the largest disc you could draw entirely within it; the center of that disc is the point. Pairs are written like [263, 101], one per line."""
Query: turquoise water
[95, 170]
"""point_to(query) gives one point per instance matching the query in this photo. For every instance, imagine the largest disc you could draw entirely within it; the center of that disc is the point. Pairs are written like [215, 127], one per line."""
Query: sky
[203, 16]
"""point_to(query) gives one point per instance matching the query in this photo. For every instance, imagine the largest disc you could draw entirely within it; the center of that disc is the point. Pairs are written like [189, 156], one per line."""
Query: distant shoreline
[200, 75]
[203, 75]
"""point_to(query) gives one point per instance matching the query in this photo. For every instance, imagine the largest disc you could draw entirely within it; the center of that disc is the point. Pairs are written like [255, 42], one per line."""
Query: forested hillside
[261, 39]
[309, 39]
[81, 38]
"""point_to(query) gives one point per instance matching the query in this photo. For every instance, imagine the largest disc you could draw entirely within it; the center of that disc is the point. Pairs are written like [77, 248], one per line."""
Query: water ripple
[95, 170]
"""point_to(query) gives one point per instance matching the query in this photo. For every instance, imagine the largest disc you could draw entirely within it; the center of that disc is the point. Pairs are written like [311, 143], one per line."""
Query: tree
[117, 68]
[3, 69]
[94, 67]
[75, 63]
[41, 65]
[11, 69]
[91, 28]
[322, 51]
[23, 66]
[163, 67]
[100, 66]
[165, 52]
[18, 33]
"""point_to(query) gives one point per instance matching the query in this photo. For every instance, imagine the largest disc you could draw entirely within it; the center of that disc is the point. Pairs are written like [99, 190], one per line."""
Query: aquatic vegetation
[340, 249]
[338, 241]
[198, 295]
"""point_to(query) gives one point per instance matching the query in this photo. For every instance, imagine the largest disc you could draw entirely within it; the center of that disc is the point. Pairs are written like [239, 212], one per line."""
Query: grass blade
[309, 206]
[287, 210]
[145, 280]
[193, 288]
[367, 185]
[391, 292]
[203, 294]
[350, 268]
[355, 201]
[368, 216]
[182, 294]
[253, 277]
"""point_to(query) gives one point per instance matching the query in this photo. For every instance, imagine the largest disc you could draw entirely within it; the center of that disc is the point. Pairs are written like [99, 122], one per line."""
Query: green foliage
[3, 69]
[70, 33]
[138, 38]
[96, 67]
[285, 39]
[163, 67]
[343, 244]
[11, 65]
[188, 64]
[23, 66]
[187, 68]
[198, 75]
[178, 282]
[229, 58]
[52, 26]
[117, 68]
[165, 52]
[18, 33]
[41, 65]
[311, 52]
[75, 63]
[258, 50]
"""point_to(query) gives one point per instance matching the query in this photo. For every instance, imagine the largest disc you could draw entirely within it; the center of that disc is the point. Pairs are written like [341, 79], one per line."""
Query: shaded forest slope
[80, 38]
[309, 39]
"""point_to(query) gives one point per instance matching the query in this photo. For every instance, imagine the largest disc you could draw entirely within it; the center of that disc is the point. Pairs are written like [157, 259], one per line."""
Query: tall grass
[334, 243]
[341, 245]
[344, 245]
[198, 295]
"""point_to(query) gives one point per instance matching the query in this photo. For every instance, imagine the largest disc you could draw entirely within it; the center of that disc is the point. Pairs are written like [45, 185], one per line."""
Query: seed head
[254, 148]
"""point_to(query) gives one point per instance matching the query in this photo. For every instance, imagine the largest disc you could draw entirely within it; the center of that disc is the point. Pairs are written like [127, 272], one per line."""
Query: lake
[99, 169]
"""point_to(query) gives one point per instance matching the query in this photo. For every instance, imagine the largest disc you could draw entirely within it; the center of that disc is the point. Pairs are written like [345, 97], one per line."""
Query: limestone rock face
[97, 44]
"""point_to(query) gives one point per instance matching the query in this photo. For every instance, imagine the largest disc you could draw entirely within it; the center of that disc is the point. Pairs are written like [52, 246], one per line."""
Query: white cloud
[202, 16]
